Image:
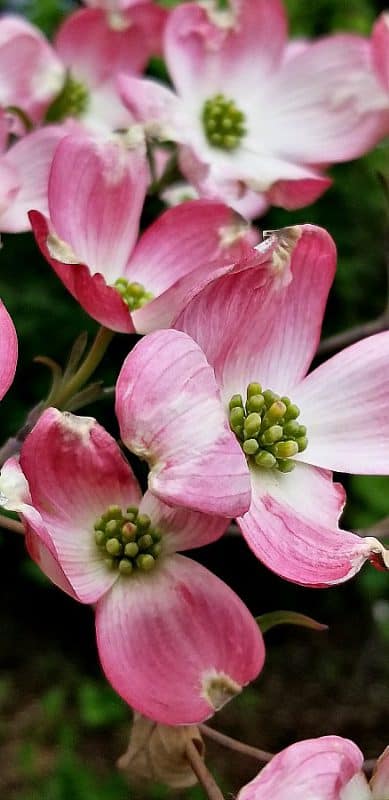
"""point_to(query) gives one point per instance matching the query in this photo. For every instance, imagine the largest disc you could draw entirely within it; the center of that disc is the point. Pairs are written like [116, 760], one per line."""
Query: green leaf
[273, 618]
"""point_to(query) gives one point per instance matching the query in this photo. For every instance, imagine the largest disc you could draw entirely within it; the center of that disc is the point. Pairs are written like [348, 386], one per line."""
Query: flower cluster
[217, 397]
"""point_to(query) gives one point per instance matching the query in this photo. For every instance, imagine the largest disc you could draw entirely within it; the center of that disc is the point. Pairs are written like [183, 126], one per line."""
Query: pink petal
[166, 639]
[313, 768]
[182, 529]
[292, 527]
[202, 52]
[75, 470]
[30, 159]
[299, 193]
[14, 489]
[344, 404]
[380, 779]
[31, 74]
[9, 186]
[170, 414]
[380, 49]
[8, 350]
[42, 550]
[182, 249]
[102, 302]
[152, 104]
[331, 116]
[97, 211]
[95, 49]
[235, 322]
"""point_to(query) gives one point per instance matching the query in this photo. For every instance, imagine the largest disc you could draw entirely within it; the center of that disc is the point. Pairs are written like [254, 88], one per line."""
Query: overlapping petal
[344, 404]
[178, 644]
[380, 49]
[182, 529]
[380, 779]
[29, 160]
[170, 414]
[75, 470]
[313, 769]
[267, 333]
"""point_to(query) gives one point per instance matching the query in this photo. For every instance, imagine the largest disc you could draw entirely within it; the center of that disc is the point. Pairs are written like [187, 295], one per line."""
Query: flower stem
[235, 744]
[204, 777]
[87, 368]
[11, 524]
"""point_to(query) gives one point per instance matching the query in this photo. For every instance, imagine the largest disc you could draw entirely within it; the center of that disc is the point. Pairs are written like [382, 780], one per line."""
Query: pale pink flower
[252, 115]
[31, 74]
[239, 332]
[327, 768]
[95, 196]
[174, 641]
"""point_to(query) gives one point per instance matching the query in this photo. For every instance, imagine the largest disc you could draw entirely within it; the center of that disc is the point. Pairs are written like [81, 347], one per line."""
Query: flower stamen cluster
[71, 102]
[267, 428]
[134, 294]
[223, 122]
[126, 540]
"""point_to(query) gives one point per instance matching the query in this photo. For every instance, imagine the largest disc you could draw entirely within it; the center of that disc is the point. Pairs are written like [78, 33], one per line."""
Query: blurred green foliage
[62, 726]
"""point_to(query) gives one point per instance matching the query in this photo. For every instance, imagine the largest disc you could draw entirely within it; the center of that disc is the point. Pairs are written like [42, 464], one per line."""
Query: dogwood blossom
[256, 120]
[90, 238]
[327, 768]
[254, 341]
[174, 641]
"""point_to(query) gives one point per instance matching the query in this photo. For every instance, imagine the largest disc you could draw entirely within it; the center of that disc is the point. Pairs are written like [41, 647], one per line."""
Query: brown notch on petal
[219, 689]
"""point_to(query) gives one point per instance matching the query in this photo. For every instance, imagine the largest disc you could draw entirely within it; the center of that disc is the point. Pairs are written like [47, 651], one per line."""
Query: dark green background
[61, 726]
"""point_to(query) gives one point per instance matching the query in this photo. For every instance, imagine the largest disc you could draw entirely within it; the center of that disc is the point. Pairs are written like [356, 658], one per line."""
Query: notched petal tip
[60, 250]
[218, 689]
[285, 241]
[378, 555]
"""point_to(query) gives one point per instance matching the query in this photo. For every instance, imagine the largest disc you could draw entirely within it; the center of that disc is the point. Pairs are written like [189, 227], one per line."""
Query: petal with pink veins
[170, 414]
[253, 329]
[95, 49]
[380, 49]
[154, 105]
[182, 529]
[97, 212]
[75, 470]
[30, 159]
[177, 643]
[313, 769]
[241, 45]
[299, 193]
[8, 350]
[292, 527]
[330, 117]
[344, 405]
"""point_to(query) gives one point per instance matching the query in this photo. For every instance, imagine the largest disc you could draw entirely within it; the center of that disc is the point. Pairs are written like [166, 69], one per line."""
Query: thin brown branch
[235, 744]
[334, 343]
[369, 765]
[11, 524]
[380, 530]
[204, 777]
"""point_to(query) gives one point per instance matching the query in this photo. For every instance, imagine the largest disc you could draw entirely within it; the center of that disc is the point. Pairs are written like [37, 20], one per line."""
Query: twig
[352, 335]
[235, 744]
[380, 530]
[11, 524]
[203, 775]
[369, 765]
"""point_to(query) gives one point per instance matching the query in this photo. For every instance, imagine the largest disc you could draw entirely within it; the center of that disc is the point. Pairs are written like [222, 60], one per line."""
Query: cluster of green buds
[134, 294]
[71, 102]
[223, 122]
[267, 428]
[126, 540]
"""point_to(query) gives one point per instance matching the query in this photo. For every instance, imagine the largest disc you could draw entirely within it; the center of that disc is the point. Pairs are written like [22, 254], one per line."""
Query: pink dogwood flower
[31, 74]
[91, 237]
[254, 342]
[327, 768]
[174, 641]
[255, 120]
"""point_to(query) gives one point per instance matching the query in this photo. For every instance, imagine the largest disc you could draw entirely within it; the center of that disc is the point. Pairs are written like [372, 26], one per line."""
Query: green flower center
[223, 122]
[134, 294]
[127, 541]
[71, 102]
[267, 428]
